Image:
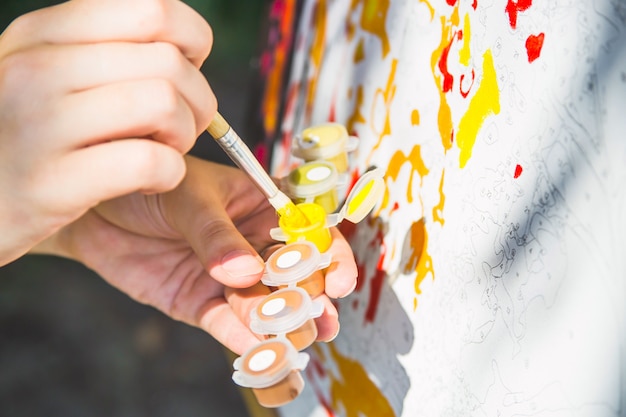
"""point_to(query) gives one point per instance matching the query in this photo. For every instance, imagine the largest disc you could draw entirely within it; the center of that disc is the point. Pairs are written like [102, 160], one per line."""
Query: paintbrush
[241, 155]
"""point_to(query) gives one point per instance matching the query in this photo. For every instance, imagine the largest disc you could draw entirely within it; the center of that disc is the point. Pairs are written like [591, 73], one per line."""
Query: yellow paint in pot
[290, 214]
[316, 232]
[315, 182]
[326, 141]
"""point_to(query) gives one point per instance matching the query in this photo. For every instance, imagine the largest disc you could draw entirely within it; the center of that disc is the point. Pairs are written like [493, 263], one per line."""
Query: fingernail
[350, 291]
[334, 336]
[241, 263]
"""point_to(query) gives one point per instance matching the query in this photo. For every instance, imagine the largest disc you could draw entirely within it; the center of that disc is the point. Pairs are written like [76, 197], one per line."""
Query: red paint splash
[514, 7]
[319, 368]
[443, 67]
[376, 282]
[518, 171]
[464, 94]
[376, 286]
[534, 43]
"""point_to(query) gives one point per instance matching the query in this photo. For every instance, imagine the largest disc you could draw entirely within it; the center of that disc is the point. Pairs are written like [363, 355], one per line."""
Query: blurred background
[71, 345]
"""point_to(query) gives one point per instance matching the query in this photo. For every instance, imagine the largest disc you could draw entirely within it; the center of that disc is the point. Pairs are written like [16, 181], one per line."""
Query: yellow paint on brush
[485, 102]
[292, 217]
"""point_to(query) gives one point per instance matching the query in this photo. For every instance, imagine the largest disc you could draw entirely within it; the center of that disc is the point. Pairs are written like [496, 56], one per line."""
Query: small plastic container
[360, 201]
[314, 182]
[316, 231]
[327, 141]
[288, 312]
[272, 369]
[297, 264]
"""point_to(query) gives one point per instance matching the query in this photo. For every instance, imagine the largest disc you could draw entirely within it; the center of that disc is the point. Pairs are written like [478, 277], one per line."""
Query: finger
[219, 320]
[205, 223]
[87, 176]
[135, 109]
[328, 323]
[93, 21]
[241, 301]
[341, 275]
[76, 68]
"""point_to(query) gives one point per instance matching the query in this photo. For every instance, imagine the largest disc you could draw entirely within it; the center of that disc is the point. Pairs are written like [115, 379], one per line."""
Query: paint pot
[327, 141]
[314, 182]
[362, 198]
[297, 264]
[316, 231]
[288, 312]
[272, 369]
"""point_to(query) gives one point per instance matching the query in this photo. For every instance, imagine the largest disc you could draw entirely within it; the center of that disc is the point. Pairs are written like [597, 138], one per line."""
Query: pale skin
[99, 102]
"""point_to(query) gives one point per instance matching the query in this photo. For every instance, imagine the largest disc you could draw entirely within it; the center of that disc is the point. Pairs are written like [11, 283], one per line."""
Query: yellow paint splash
[485, 102]
[464, 53]
[354, 392]
[398, 160]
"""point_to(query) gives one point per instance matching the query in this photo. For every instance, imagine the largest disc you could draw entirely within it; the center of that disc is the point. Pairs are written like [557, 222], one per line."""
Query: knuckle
[152, 16]
[165, 100]
[171, 58]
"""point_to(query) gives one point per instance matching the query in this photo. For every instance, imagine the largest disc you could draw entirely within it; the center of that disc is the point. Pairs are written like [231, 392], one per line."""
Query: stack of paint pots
[286, 316]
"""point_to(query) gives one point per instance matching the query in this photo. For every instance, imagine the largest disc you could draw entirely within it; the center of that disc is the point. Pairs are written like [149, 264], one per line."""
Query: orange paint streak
[356, 116]
[398, 160]
[420, 260]
[444, 120]
[354, 392]
[359, 52]
[415, 117]
[431, 9]
[387, 96]
[444, 116]
[485, 102]
[316, 52]
[438, 209]
[271, 97]
[373, 17]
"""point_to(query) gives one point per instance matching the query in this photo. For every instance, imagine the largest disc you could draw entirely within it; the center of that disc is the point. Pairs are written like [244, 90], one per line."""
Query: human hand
[97, 99]
[192, 252]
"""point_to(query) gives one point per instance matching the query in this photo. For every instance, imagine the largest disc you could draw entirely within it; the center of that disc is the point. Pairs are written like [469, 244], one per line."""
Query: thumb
[196, 210]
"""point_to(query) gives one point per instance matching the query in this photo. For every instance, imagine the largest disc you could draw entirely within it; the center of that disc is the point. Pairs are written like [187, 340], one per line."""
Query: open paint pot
[297, 264]
[316, 231]
[288, 312]
[362, 198]
[314, 182]
[272, 369]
